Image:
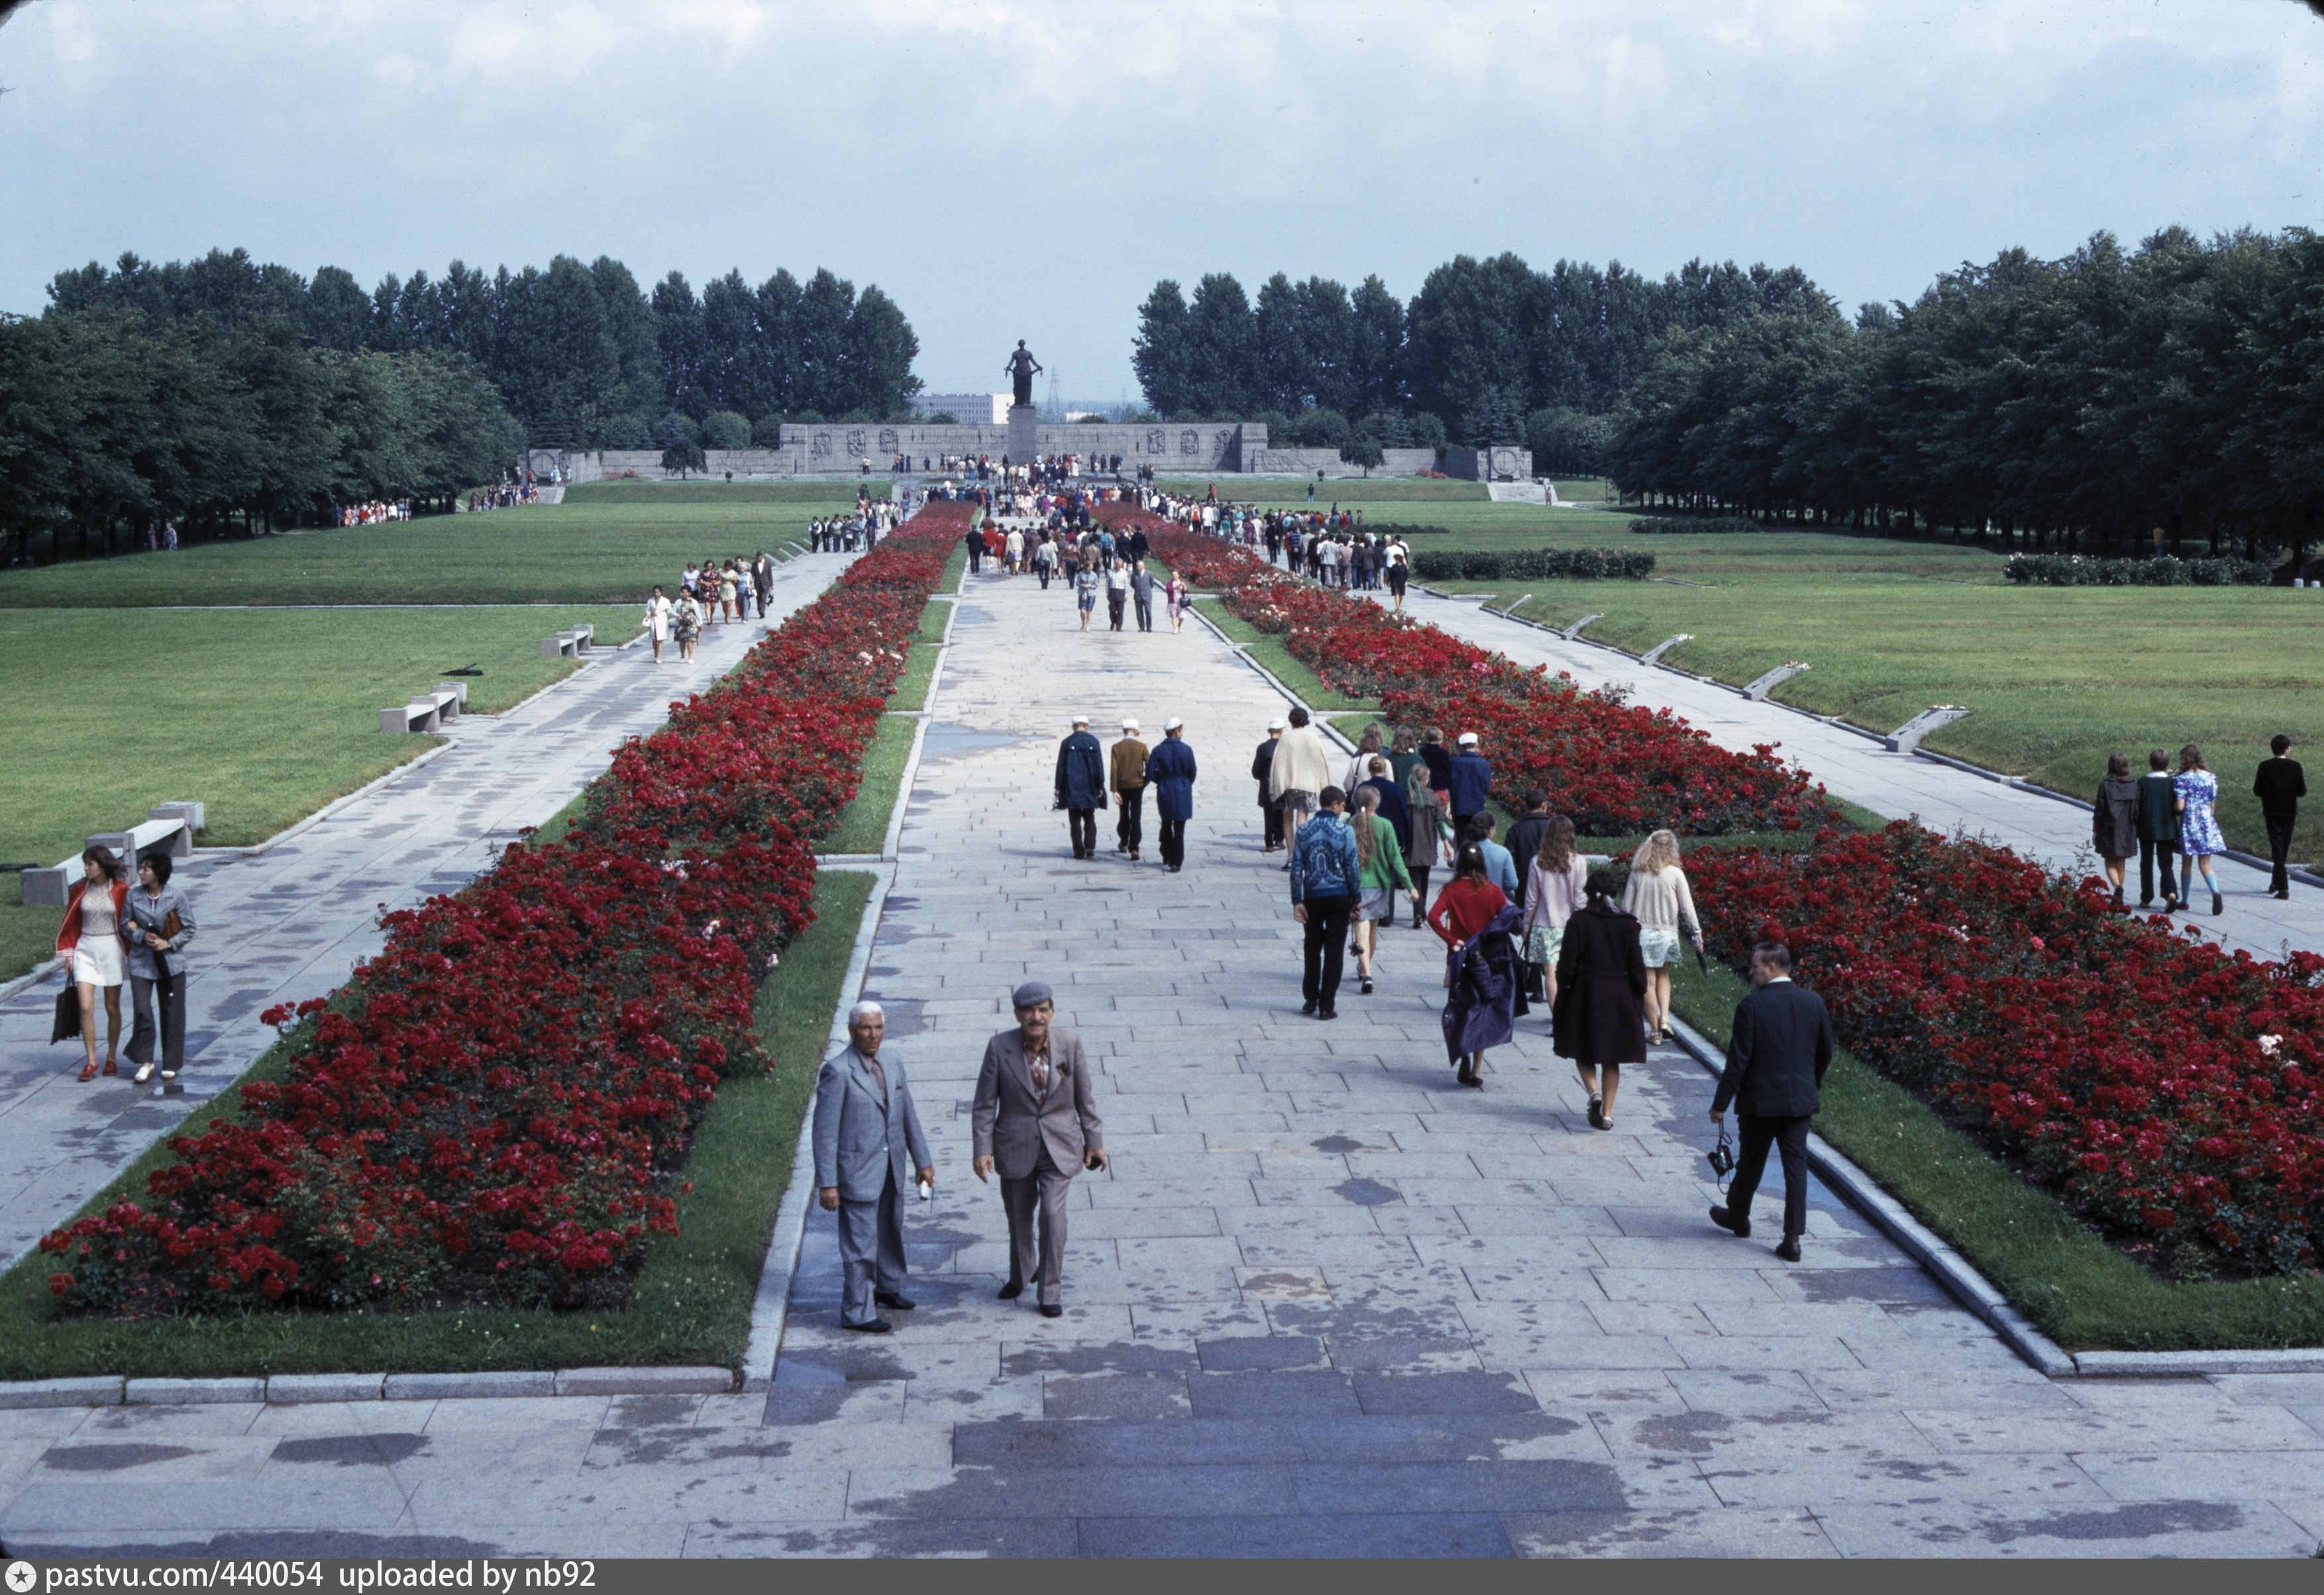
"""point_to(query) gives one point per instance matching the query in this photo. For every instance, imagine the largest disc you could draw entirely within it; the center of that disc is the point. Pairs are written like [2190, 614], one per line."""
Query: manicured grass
[911, 689]
[692, 1301]
[27, 935]
[601, 546]
[1271, 652]
[2056, 677]
[934, 619]
[864, 824]
[2079, 1290]
[699, 491]
[264, 716]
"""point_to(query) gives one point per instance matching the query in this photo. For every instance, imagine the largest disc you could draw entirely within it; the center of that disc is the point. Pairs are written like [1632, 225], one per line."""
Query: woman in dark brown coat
[1601, 986]
[2114, 821]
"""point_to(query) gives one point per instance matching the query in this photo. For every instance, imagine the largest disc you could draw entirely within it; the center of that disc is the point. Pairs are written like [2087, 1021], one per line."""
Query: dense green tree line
[111, 423]
[583, 355]
[2085, 400]
[1488, 351]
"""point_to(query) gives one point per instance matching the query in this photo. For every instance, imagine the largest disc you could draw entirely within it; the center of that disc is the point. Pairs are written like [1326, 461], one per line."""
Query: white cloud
[1029, 167]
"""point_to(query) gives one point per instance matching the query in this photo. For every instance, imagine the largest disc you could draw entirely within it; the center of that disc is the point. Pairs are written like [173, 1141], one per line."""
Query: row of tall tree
[111, 424]
[2086, 400]
[1486, 346]
[583, 355]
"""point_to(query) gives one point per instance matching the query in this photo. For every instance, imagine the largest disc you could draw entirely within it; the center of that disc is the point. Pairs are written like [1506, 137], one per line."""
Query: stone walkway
[1324, 1302]
[293, 922]
[1897, 785]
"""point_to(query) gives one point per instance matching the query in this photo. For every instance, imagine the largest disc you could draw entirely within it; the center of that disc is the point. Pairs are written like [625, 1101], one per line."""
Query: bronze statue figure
[1020, 369]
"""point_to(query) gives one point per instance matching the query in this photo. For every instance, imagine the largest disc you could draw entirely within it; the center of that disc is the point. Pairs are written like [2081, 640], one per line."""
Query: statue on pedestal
[1020, 369]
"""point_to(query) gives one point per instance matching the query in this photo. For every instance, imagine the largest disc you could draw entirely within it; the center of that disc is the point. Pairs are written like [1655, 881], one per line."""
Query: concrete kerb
[1924, 1244]
[1316, 717]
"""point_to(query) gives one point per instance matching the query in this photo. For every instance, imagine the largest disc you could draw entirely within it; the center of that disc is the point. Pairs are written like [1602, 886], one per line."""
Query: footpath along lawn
[692, 1301]
[264, 716]
[605, 544]
[2057, 677]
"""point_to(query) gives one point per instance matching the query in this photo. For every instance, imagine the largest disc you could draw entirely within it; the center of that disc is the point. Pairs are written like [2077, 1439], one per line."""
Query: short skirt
[1376, 903]
[1542, 943]
[98, 960]
[1295, 801]
[1660, 947]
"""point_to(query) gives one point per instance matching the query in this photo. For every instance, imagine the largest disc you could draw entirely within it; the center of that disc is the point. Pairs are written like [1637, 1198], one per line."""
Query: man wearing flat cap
[1126, 771]
[1035, 1123]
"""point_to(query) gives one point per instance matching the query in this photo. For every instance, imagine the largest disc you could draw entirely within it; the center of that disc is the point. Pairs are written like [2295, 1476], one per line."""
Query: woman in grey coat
[2114, 822]
[157, 926]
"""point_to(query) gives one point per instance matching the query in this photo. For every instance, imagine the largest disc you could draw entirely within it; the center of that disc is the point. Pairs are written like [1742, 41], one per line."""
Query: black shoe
[1329, 1013]
[2285, 896]
[1364, 983]
[2144, 904]
[2218, 905]
[1308, 1006]
[1596, 1114]
[888, 1298]
[1730, 1221]
[877, 1327]
[1051, 1309]
[1011, 1291]
[1790, 1249]
[2117, 896]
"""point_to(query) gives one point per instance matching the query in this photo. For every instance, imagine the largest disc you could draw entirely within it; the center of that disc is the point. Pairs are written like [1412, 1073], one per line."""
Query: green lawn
[692, 1301]
[264, 716]
[2079, 1290]
[864, 824]
[2056, 677]
[1349, 490]
[604, 544]
[1271, 652]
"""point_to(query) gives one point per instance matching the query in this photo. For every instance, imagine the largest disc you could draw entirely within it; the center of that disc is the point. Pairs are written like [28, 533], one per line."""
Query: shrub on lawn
[1496, 565]
[1699, 525]
[2081, 571]
[500, 1112]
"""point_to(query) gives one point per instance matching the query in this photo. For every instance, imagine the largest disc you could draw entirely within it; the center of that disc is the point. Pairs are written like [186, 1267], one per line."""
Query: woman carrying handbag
[89, 941]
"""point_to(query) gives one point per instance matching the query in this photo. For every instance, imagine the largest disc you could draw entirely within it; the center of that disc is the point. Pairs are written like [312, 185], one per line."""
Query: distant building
[970, 410]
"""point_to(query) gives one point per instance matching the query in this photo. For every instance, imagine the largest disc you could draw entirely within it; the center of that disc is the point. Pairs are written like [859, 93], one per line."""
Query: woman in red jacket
[90, 942]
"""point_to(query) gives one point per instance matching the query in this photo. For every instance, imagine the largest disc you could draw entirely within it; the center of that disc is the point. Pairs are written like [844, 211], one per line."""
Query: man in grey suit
[1034, 1120]
[867, 1145]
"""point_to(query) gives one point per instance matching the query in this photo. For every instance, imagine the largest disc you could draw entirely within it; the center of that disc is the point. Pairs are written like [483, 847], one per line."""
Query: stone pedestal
[1024, 434]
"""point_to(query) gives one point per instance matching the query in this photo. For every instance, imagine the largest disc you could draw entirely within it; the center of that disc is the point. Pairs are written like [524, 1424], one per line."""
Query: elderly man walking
[1035, 1121]
[867, 1145]
[1126, 773]
[1081, 786]
[1170, 769]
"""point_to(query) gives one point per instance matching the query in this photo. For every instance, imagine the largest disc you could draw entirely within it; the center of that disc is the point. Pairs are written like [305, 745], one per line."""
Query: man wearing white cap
[1126, 768]
[1081, 786]
[1171, 769]
[1261, 764]
[1471, 781]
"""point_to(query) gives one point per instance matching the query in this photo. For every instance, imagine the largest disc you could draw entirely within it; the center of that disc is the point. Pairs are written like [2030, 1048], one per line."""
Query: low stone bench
[431, 712]
[169, 832]
[572, 643]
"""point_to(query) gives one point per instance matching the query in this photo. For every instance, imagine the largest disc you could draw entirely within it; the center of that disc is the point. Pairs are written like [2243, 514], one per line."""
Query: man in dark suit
[1035, 1121]
[1777, 1054]
[2279, 787]
[1081, 786]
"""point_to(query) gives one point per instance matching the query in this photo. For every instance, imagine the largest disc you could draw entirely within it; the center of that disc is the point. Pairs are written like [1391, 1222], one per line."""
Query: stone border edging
[1319, 718]
[1920, 1242]
[1982, 1297]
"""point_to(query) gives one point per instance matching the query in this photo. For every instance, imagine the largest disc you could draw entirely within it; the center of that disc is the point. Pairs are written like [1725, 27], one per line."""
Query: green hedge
[1698, 525]
[1397, 529]
[2078, 570]
[1479, 565]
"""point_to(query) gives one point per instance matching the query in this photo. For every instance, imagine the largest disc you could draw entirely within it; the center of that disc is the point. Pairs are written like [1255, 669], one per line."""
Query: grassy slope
[2080, 1291]
[263, 716]
[1271, 652]
[2057, 677]
[693, 1299]
[605, 545]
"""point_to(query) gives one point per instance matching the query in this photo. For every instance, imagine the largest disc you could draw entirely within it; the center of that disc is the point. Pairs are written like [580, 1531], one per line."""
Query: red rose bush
[499, 1107]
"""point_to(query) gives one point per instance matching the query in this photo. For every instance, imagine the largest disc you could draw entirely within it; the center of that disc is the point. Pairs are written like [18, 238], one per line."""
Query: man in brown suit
[1035, 1119]
[1128, 778]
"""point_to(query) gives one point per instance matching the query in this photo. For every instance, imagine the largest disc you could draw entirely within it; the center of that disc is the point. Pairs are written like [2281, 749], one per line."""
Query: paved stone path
[1897, 785]
[1324, 1303]
[293, 922]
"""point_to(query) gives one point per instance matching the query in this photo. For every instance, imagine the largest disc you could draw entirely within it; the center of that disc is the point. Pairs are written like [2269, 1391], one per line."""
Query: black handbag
[67, 1020]
[1722, 1159]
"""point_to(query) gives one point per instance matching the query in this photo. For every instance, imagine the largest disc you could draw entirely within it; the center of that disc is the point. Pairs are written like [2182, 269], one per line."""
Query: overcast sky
[1029, 169]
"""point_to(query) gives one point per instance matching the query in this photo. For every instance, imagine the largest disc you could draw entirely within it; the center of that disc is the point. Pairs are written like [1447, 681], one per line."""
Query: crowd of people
[372, 512]
[507, 496]
[710, 592]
